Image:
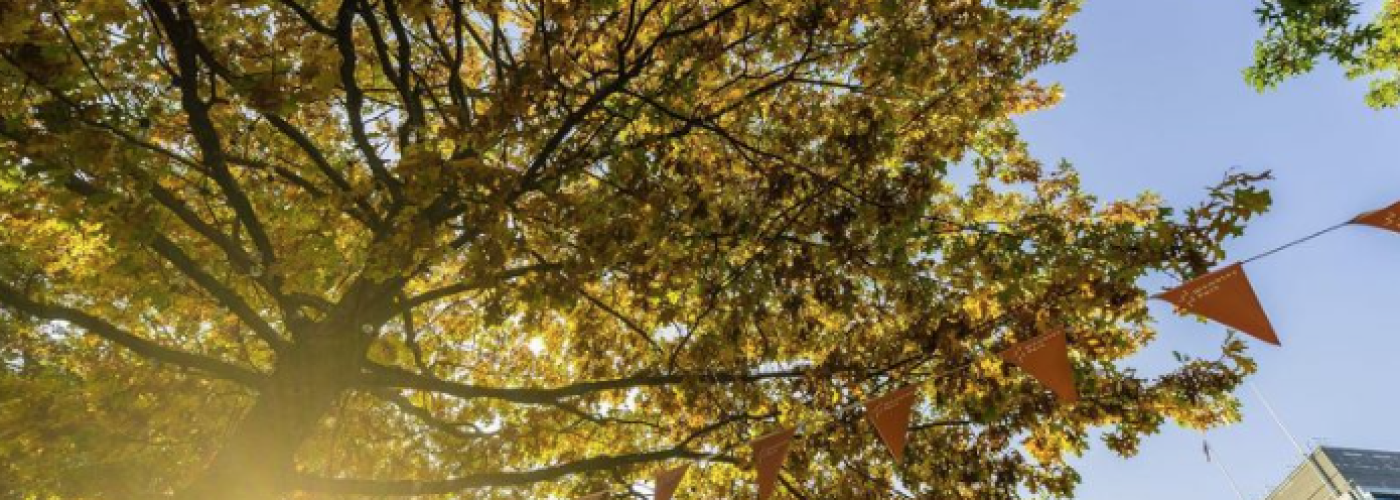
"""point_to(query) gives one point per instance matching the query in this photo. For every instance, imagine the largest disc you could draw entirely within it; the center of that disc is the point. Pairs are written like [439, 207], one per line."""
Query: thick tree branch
[183, 39]
[312, 151]
[626, 70]
[493, 479]
[492, 280]
[630, 323]
[355, 99]
[172, 253]
[397, 74]
[680, 450]
[307, 16]
[235, 253]
[143, 347]
[567, 126]
[226, 296]
[387, 376]
[366, 213]
[424, 415]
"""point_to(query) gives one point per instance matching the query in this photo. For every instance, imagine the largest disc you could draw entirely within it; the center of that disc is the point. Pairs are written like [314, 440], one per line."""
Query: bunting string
[1298, 241]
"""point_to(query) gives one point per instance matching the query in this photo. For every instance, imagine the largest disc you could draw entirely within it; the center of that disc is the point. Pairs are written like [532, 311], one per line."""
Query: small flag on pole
[1227, 297]
[1385, 218]
[667, 481]
[1047, 359]
[890, 414]
[769, 453]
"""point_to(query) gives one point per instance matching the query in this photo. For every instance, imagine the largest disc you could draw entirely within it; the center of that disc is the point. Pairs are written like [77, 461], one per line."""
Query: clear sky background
[1155, 101]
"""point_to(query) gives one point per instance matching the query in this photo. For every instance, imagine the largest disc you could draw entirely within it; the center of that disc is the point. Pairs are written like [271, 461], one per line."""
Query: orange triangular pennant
[890, 414]
[667, 481]
[769, 452]
[1047, 359]
[1226, 297]
[1385, 218]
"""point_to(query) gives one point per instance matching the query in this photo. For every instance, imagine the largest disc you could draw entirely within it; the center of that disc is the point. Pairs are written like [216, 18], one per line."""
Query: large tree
[540, 248]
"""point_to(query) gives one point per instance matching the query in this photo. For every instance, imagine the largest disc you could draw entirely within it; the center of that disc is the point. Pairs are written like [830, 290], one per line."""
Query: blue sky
[1155, 101]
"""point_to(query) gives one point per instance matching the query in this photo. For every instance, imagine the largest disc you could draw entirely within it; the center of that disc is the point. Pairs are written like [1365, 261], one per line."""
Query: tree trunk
[259, 457]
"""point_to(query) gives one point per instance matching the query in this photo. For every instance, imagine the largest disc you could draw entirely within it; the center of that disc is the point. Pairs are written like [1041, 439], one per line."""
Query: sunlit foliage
[255, 248]
[1300, 32]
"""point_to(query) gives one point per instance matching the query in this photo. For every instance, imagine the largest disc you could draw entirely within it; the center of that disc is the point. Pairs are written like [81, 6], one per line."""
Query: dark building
[1332, 473]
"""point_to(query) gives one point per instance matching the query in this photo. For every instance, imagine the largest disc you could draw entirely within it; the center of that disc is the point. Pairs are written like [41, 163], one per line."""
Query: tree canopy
[1297, 33]
[331, 248]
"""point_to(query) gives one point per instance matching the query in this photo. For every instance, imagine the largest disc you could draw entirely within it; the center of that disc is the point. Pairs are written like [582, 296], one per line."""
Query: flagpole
[1308, 458]
[1205, 447]
[1229, 478]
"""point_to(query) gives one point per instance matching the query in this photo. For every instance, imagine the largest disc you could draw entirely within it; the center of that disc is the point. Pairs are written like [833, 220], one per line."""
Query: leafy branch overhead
[1297, 33]
[523, 249]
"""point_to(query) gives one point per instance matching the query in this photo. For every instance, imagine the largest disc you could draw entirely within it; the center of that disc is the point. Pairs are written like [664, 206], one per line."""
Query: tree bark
[258, 459]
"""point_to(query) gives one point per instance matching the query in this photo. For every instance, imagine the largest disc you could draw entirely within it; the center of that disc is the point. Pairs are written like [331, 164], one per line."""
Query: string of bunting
[1225, 296]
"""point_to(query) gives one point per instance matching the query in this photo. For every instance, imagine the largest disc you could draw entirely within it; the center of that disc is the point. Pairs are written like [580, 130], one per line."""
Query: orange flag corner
[1385, 218]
